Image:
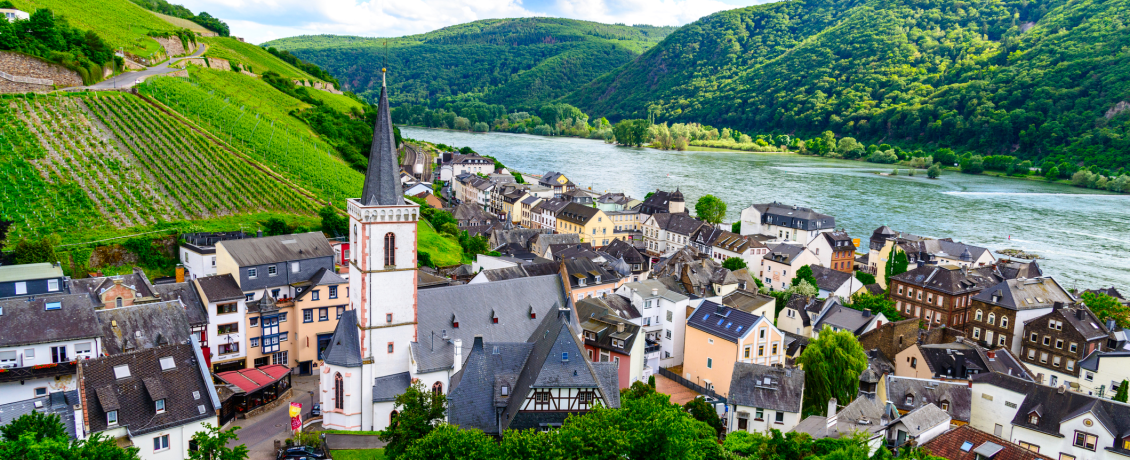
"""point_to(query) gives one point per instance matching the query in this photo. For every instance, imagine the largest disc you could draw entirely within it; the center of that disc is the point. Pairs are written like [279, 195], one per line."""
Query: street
[259, 433]
[127, 79]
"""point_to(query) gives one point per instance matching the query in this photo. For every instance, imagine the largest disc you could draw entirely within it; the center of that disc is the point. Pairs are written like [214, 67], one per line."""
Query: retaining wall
[44, 75]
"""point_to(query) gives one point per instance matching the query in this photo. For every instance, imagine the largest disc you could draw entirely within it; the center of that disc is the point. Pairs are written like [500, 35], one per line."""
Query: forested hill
[516, 62]
[1035, 79]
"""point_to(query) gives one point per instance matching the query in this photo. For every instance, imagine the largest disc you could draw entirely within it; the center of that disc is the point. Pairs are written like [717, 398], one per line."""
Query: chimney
[458, 363]
[991, 354]
[866, 312]
[180, 273]
[1110, 324]
[1079, 314]
[563, 313]
[620, 327]
[960, 364]
[655, 291]
[1057, 305]
[831, 421]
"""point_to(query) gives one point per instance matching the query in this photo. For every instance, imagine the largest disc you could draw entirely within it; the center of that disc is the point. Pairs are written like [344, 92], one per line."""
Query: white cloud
[263, 20]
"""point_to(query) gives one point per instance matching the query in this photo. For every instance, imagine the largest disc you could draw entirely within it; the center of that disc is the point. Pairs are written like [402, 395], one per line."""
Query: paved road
[258, 433]
[127, 79]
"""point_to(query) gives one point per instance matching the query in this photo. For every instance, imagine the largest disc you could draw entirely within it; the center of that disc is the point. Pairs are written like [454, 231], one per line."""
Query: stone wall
[22, 65]
[173, 46]
[219, 64]
[319, 85]
[891, 338]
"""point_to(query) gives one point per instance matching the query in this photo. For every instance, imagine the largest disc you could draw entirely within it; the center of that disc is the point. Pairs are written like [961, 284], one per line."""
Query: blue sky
[262, 20]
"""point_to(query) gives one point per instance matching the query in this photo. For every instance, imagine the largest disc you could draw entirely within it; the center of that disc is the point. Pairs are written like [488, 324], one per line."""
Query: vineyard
[120, 22]
[246, 54]
[79, 162]
[254, 118]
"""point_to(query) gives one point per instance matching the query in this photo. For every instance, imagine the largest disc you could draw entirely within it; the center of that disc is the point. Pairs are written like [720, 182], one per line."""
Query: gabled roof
[923, 419]
[382, 182]
[861, 415]
[577, 213]
[94, 287]
[845, 318]
[963, 442]
[188, 397]
[597, 312]
[623, 250]
[464, 212]
[1025, 294]
[1079, 318]
[1055, 408]
[345, 345]
[950, 279]
[591, 272]
[186, 294]
[658, 202]
[679, 223]
[734, 242]
[26, 322]
[707, 235]
[141, 326]
[722, 321]
[784, 253]
[793, 216]
[828, 279]
[219, 288]
[645, 287]
[746, 301]
[388, 387]
[61, 403]
[927, 392]
[475, 395]
[276, 249]
[806, 307]
[766, 387]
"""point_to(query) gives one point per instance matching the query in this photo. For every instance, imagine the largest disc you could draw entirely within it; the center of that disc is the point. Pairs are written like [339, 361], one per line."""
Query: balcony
[38, 371]
[651, 347]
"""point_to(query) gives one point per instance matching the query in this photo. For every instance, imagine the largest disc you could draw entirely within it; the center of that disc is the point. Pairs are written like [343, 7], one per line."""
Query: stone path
[259, 433]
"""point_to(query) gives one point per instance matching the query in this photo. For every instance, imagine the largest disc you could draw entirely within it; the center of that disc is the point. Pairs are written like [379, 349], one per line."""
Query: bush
[934, 172]
[480, 127]
[883, 157]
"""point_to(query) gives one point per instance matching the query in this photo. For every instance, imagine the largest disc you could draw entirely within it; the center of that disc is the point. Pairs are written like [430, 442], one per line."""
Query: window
[1034, 418]
[333, 292]
[1059, 344]
[40, 392]
[254, 342]
[122, 371]
[228, 348]
[1043, 358]
[780, 417]
[21, 288]
[250, 297]
[225, 308]
[910, 400]
[1047, 340]
[252, 273]
[1074, 348]
[709, 363]
[229, 328]
[388, 319]
[746, 352]
[668, 334]
[1055, 361]
[281, 358]
[308, 315]
[1063, 456]
[390, 347]
[914, 362]
[977, 316]
[992, 318]
[976, 332]
[390, 249]
[1034, 337]
[1070, 365]
[1028, 446]
[1090, 376]
[283, 336]
[340, 310]
[59, 354]
[761, 350]
[761, 333]
[670, 317]
[339, 392]
[82, 350]
[52, 285]
[774, 349]
[1086, 441]
[272, 270]
[294, 267]
[1031, 353]
[759, 414]
[324, 314]
[160, 406]
[945, 405]
[112, 417]
[316, 294]
[1000, 340]
[161, 443]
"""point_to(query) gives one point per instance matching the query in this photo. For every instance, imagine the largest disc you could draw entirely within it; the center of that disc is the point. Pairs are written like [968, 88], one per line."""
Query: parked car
[301, 453]
[316, 410]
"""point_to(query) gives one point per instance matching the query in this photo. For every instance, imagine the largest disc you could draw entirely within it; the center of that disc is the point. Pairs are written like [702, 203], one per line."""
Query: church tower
[382, 266]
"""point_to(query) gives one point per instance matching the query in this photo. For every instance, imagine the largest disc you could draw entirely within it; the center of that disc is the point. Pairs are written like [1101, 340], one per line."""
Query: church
[507, 353]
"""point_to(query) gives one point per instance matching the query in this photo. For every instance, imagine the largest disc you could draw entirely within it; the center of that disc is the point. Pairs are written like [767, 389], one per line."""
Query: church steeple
[382, 180]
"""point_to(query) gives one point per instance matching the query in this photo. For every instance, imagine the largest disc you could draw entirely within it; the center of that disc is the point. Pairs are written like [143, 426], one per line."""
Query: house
[940, 294]
[115, 291]
[751, 302]
[155, 399]
[143, 326]
[832, 282]
[42, 340]
[274, 265]
[519, 236]
[891, 338]
[998, 313]
[835, 249]
[1056, 342]
[544, 214]
[31, 280]
[295, 333]
[780, 264]
[639, 265]
[627, 224]
[590, 223]
[1051, 420]
[663, 316]
[955, 361]
[558, 182]
[64, 404]
[539, 244]
[610, 202]
[469, 164]
[764, 398]
[661, 202]
[516, 271]
[968, 443]
[786, 223]
[535, 384]
[918, 248]
[800, 314]
[840, 318]
[704, 238]
[417, 189]
[665, 233]
[918, 426]
[198, 251]
[718, 336]
[1102, 373]
[863, 416]
[586, 278]
[526, 208]
[13, 15]
[748, 249]
[610, 338]
[227, 309]
[908, 394]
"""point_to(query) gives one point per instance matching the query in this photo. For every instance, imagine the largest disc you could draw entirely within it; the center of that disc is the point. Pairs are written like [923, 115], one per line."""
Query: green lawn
[120, 22]
[247, 54]
[444, 251]
[338, 102]
[359, 454]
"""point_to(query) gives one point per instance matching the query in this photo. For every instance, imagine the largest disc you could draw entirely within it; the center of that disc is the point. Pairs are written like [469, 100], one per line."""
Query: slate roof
[542, 241]
[804, 306]
[845, 318]
[1110, 291]
[324, 277]
[94, 287]
[621, 249]
[142, 326]
[950, 279]
[1025, 294]
[1091, 362]
[345, 345]
[550, 179]
[925, 391]
[594, 315]
[621, 305]
[949, 445]
[382, 183]
[520, 236]
[848, 421]
[60, 403]
[874, 289]
[592, 273]
[829, 279]
[645, 287]
[466, 212]
[188, 396]
[572, 251]
[722, 321]
[922, 419]
[520, 271]
[219, 288]
[1055, 408]
[734, 242]
[657, 203]
[1082, 319]
[930, 249]
[707, 235]
[186, 294]
[275, 249]
[766, 387]
[1012, 269]
[388, 387]
[679, 223]
[472, 306]
[793, 216]
[476, 397]
[577, 213]
[746, 301]
[26, 322]
[784, 253]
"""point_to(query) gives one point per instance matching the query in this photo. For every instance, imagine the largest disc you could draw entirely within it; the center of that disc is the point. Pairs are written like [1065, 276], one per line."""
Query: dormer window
[505, 390]
[160, 406]
[910, 400]
[112, 417]
[1034, 418]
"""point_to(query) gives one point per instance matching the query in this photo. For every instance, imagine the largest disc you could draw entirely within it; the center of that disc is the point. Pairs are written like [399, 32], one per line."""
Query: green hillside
[121, 23]
[246, 54]
[1034, 79]
[517, 62]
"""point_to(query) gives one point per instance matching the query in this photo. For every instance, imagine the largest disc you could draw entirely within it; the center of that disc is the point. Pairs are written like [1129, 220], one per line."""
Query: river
[1082, 235]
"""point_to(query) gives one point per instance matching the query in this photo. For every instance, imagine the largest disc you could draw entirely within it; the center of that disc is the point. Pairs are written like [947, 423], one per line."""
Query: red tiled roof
[250, 380]
[948, 445]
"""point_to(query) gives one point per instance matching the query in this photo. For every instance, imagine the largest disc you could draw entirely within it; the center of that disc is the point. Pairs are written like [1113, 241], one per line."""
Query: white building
[227, 312]
[13, 15]
[918, 426]
[663, 317]
[764, 398]
[666, 233]
[53, 332]
[786, 223]
[779, 266]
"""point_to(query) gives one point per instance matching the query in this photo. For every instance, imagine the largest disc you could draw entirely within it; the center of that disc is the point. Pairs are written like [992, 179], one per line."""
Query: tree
[877, 303]
[1121, 394]
[4, 226]
[804, 288]
[451, 443]
[1105, 307]
[275, 226]
[631, 132]
[333, 223]
[1052, 174]
[865, 278]
[710, 209]
[804, 274]
[934, 172]
[832, 364]
[212, 444]
[36, 251]
[734, 263]
[29, 443]
[973, 165]
[850, 148]
[704, 412]
[736, 227]
[897, 264]
[419, 412]
[945, 156]
[37, 424]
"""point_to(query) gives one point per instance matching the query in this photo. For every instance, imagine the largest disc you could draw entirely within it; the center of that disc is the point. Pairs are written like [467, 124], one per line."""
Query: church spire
[382, 180]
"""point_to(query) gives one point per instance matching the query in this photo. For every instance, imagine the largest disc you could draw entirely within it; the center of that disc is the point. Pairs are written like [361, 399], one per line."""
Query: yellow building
[294, 332]
[592, 224]
[719, 336]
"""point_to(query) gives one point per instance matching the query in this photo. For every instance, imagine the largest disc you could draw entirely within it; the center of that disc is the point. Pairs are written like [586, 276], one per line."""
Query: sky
[258, 21]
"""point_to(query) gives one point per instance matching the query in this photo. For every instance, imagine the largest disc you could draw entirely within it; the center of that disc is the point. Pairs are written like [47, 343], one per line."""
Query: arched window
[992, 318]
[118, 302]
[1004, 321]
[390, 249]
[437, 388]
[339, 392]
[392, 418]
[977, 317]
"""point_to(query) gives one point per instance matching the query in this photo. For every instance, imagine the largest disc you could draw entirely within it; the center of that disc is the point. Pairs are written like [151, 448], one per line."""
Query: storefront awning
[251, 380]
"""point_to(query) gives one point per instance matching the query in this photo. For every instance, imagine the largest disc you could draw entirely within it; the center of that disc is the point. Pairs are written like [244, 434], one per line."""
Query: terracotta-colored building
[295, 332]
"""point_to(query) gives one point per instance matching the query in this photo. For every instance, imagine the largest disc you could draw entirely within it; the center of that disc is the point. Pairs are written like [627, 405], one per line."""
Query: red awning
[251, 380]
